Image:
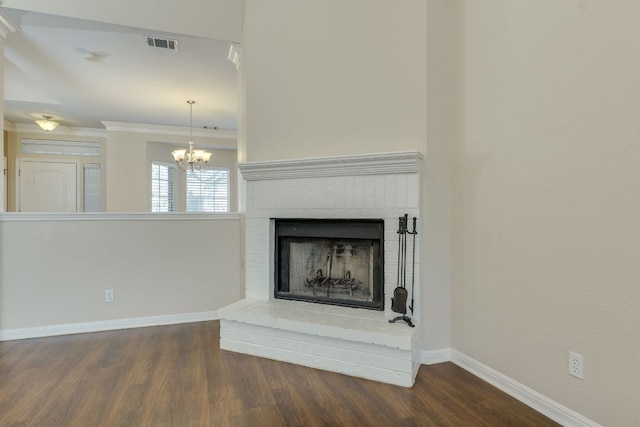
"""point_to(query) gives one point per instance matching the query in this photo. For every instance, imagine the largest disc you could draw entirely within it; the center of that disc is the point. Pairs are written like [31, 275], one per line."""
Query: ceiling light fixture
[191, 159]
[47, 124]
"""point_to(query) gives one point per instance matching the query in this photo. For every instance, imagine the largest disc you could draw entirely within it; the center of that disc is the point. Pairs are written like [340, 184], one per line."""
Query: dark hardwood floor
[177, 376]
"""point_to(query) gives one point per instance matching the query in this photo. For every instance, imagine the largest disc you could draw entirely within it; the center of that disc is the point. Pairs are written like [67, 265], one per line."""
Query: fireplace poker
[399, 278]
[413, 264]
[405, 229]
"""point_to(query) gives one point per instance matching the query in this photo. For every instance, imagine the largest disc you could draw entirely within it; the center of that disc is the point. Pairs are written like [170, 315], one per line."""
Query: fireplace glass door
[330, 261]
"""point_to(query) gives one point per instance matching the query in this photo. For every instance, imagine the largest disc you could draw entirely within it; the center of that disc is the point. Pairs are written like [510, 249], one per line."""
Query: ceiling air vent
[162, 43]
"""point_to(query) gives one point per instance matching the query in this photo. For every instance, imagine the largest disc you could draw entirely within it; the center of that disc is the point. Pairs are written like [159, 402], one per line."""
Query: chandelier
[191, 159]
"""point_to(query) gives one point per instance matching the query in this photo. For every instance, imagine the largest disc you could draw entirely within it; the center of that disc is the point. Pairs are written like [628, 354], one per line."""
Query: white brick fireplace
[352, 341]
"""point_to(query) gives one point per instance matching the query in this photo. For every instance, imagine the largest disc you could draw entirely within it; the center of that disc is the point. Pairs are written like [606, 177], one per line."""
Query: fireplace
[330, 261]
[267, 322]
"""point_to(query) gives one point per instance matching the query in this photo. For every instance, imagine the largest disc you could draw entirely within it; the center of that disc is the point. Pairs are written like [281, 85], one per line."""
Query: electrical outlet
[109, 296]
[576, 366]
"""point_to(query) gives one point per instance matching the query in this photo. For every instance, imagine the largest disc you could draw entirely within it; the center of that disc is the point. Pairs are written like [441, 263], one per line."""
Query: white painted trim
[106, 325]
[128, 127]
[60, 147]
[115, 216]
[200, 144]
[366, 164]
[529, 397]
[169, 130]
[431, 357]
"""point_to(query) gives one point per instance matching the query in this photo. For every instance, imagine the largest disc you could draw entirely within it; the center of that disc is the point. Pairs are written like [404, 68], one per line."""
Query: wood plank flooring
[178, 376]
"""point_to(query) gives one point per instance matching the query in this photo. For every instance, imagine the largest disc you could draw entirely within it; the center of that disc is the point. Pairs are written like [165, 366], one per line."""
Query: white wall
[127, 173]
[333, 77]
[546, 228]
[54, 268]
[436, 183]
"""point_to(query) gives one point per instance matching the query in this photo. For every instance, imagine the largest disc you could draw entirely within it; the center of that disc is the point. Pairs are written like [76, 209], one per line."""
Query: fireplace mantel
[366, 164]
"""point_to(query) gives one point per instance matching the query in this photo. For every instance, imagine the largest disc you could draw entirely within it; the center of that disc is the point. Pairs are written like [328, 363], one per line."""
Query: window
[162, 187]
[208, 190]
[64, 148]
[92, 189]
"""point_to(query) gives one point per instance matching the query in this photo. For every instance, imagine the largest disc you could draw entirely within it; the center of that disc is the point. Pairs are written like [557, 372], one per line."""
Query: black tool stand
[405, 318]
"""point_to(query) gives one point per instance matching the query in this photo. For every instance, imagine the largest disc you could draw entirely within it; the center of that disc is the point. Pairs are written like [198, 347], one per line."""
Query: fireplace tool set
[400, 293]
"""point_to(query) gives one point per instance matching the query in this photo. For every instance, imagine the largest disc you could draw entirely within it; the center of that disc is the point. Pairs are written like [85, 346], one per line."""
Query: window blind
[162, 187]
[92, 187]
[208, 190]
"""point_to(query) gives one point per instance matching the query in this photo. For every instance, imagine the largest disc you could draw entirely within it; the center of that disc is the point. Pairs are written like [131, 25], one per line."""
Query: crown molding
[125, 127]
[60, 130]
[7, 26]
[353, 165]
[169, 130]
[200, 143]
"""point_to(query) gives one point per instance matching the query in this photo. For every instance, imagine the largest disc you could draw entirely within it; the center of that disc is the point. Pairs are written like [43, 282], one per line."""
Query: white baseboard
[105, 325]
[432, 357]
[557, 412]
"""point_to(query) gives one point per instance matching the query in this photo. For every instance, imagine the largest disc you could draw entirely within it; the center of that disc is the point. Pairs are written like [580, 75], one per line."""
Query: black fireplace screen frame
[291, 230]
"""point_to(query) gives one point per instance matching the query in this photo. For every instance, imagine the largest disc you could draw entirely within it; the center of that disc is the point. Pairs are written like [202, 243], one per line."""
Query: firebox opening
[338, 262]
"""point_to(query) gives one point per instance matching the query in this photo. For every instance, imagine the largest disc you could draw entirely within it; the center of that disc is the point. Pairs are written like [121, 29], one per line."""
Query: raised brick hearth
[353, 341]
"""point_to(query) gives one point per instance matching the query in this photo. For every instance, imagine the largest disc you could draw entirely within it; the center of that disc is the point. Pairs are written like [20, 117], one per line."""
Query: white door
[46, 186]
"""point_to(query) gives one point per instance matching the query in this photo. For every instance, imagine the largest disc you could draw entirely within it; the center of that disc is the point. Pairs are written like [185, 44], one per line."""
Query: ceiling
[46, 72]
